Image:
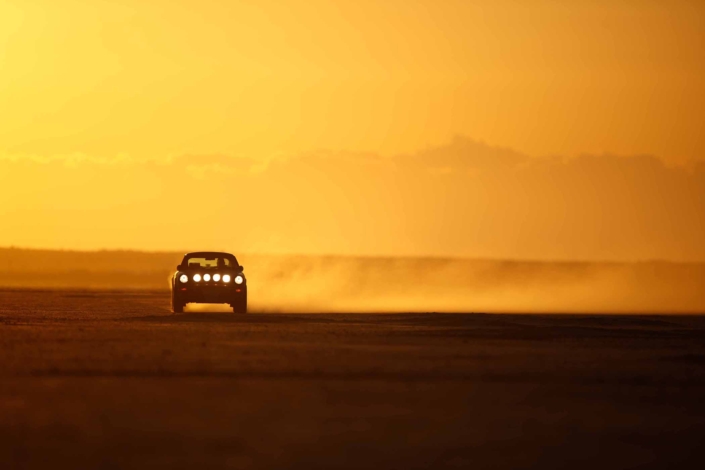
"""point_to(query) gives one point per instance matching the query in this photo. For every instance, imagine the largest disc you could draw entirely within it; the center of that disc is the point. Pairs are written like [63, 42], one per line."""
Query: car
[209, 277]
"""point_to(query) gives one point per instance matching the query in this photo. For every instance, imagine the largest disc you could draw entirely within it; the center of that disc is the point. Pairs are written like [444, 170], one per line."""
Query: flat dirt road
[114, 380]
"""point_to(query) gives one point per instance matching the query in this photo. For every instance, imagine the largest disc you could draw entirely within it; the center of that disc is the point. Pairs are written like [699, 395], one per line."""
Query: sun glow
[315, 123]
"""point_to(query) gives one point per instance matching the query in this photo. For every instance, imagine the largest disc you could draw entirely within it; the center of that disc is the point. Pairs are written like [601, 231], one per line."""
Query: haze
[523, 130]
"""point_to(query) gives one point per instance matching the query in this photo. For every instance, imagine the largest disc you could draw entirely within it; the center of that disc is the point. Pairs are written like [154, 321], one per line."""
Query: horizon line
[363, 256]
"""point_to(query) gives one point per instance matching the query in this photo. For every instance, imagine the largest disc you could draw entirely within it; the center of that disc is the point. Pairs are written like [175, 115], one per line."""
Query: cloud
[465, 198]
[70, 160]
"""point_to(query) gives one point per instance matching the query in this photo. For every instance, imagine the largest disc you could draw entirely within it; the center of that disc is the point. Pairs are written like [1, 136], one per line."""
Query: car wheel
[240, 306]
[177, 306]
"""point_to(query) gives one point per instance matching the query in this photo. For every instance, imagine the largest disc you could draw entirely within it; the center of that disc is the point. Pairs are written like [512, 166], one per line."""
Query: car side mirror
[180, 267]
[240, 268]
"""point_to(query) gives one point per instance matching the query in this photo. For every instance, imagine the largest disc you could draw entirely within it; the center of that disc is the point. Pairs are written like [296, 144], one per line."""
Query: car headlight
[183, 278]
[216, 277]
[226, 278]
[239, 279]
[206, 277]
[197, 278]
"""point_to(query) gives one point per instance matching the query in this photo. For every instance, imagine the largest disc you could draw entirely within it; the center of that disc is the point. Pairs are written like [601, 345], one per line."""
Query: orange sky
[100, 101]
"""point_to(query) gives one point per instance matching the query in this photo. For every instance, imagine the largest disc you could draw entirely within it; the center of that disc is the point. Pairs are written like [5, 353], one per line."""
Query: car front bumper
[210, 294]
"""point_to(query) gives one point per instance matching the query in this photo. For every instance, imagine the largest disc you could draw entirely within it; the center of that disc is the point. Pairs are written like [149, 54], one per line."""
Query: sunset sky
[519, 129]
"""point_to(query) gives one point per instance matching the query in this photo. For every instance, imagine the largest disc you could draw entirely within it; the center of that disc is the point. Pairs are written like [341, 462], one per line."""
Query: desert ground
[113, 379]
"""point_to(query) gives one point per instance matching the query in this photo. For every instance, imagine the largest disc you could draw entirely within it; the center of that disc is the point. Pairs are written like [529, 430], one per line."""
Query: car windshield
[209, 262]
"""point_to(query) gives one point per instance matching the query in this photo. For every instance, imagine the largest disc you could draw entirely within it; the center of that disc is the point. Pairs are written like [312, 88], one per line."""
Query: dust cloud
[359, 284]
[446, 285]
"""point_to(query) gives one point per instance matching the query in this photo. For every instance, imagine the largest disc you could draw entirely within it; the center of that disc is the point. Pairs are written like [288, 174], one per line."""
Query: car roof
[208, 254]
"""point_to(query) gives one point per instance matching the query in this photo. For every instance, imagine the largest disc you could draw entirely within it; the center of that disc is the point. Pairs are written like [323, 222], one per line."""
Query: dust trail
[402, 284]
[358, 284]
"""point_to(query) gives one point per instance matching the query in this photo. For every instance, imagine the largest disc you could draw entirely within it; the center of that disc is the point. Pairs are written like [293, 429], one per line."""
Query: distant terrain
[367, 284]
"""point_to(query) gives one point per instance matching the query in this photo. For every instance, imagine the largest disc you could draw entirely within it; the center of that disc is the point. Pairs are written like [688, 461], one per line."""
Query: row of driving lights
[207, 277]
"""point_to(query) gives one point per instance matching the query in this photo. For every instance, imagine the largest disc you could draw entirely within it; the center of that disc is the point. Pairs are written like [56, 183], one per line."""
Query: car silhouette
[209, 277]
